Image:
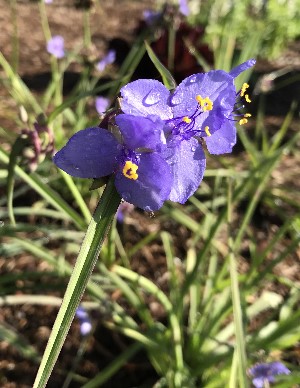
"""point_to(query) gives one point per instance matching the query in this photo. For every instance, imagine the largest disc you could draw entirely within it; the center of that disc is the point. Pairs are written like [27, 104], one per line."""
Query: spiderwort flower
[124, 209]
[107, 60]
[142, 176]
[266, 372]
[101, 104]
[204, 105]
[84, 320]
[55, 46]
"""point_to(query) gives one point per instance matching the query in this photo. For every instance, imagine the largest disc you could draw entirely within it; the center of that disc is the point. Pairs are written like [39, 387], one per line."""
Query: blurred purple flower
[204, 105]
[266, 372]
[183, 7]
[48, 1]
[55, 46]
[143, 177]
[101, 104]
[84, 320]
[124, 209]
[151, 16]
[107, 60]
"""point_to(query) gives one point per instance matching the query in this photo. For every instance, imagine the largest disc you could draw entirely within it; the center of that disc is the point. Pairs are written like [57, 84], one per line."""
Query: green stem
[88, 255]
[78, 197]
[236, 302]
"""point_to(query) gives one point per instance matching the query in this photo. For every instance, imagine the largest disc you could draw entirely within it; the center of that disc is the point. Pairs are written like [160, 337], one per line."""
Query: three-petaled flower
[204, 105]
[157, 154]
[265, 373]
[142, 176]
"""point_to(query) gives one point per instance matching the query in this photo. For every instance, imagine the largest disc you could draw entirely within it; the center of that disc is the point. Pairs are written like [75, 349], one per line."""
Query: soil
[112, 22]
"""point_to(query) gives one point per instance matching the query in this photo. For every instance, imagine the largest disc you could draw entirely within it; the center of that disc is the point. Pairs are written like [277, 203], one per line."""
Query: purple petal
[146, 97]
[183, 7]
[101, 104]
[258, 382]
[222, 141]
[187, 162]
[90, 153]
[85, 328]
[151, 188]
[107, 60]
[140, 131]
[55, 46]
[242, 67]
[218, 86]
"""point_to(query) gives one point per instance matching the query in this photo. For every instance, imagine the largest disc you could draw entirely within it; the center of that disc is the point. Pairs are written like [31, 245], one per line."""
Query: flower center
[130, 169]
[184, 126]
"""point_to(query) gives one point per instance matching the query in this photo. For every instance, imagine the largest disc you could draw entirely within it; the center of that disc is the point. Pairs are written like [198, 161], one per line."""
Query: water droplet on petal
[152, 98]
[177, 97]
[193, 148]
[192, 79]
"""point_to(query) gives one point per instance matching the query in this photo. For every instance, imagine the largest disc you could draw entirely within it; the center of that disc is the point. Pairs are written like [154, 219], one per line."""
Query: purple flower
[124, 209]
[204, 105]
[107, 60]
[48, 1]
[183, 7]
[55, 46]
[84, 320]
[142, 176]
[266, 372]
[101, 104]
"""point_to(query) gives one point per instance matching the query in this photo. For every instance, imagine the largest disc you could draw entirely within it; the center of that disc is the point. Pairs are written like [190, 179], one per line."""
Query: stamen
[247, 98]
[247, 115]
[186, 119]
[244, 88]
[206, 129]
[243, 121]
[130, 169]
[205, 103]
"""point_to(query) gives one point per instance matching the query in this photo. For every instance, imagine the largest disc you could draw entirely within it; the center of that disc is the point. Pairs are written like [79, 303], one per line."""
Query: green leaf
[168, 80]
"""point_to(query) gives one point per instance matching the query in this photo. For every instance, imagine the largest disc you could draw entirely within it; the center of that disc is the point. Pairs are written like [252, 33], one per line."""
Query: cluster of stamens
[185, 125]
[243, 94]
[130, 169]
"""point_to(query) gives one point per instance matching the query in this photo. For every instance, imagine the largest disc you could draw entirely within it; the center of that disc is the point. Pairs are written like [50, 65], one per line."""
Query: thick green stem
[88, 255]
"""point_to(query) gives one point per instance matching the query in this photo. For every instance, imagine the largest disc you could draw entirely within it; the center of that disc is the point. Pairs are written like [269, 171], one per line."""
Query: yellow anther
[247, 98]
[206, 129]
[208, 104]
[247, 115]
[244, 88]
[186, 119]
[243, 121]
[130, 169]
[205, 103]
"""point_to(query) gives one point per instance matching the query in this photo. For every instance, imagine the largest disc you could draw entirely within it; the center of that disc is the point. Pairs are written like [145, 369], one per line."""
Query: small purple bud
[101, 104]
[107, 60]
[55, 46]
[183, 7]
[84, 320]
